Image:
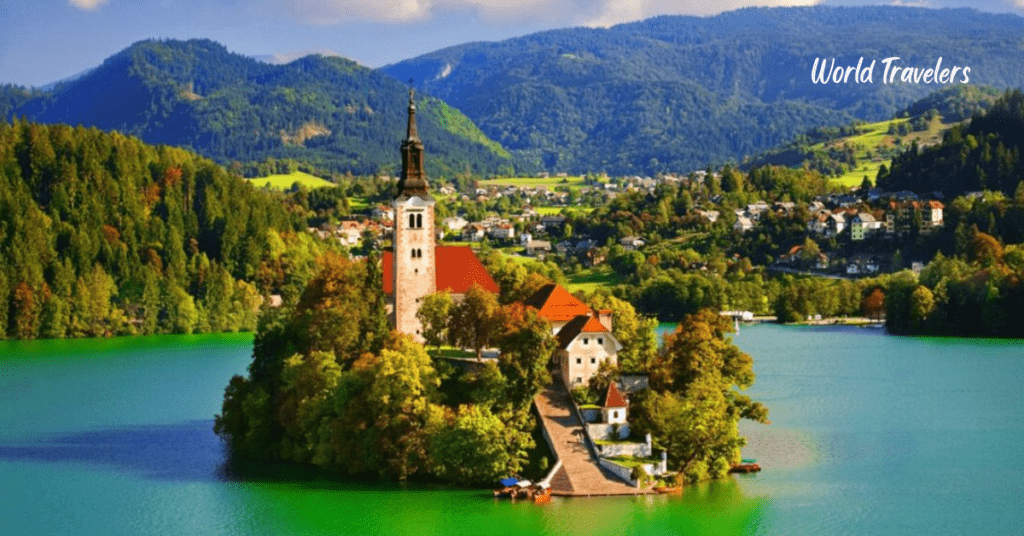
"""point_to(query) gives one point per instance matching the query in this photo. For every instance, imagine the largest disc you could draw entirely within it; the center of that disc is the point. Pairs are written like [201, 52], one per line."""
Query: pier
[580, 474]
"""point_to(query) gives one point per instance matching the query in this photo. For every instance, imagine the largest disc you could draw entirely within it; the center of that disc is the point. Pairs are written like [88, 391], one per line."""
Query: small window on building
[416, 271]
[579, 360]
[419, 221]
[412, 221]
[600, 340]
[578, 379]
[586, 340]
[593, 361]
[615, 414]
[413, 252]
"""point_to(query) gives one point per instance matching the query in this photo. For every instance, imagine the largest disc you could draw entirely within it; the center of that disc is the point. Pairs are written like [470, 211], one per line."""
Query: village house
[538, 248]
[473, 232]
[502, 231]
[454, 224]
[382, 212]
[863, 225]
[584, 343]
[743, 224]
[631, 242]
[350, 232]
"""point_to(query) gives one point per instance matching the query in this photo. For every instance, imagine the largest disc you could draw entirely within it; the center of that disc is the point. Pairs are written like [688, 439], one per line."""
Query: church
[416, 266]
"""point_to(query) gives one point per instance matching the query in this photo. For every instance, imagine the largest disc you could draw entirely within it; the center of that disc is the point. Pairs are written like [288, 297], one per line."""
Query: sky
[44, 41]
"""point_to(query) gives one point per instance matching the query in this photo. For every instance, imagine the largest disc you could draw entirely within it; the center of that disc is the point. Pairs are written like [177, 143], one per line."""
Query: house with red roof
[559, 307]
[614, 406]
[584, 343]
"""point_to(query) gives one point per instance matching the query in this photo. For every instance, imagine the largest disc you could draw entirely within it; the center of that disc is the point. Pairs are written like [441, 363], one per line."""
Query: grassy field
[875, 138]
[591, 279]
[549, 182]
[283, 182]
[545, 211]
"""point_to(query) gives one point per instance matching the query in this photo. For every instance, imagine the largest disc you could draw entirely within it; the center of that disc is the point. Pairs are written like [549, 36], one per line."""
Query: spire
[413, 181]
[411, 133]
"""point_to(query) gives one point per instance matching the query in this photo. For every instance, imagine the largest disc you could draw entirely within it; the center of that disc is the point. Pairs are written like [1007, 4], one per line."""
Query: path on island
[580, 474]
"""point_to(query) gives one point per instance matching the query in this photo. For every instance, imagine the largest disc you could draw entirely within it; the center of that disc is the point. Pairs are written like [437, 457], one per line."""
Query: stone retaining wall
[625, 473]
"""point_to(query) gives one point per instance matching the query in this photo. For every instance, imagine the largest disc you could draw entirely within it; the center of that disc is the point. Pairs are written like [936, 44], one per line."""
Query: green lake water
[870, 434]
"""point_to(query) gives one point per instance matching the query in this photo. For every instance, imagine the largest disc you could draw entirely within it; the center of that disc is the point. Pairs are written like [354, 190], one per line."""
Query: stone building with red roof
[584, 335]
[416, 267]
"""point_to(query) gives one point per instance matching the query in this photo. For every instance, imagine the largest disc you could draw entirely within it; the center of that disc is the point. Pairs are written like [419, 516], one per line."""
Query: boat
[542, 495]
[504, 492]
[668, 489]
[745, 468]
[507, 487]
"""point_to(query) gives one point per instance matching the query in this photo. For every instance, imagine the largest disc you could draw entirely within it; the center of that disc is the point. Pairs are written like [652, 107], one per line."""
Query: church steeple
[413, 181]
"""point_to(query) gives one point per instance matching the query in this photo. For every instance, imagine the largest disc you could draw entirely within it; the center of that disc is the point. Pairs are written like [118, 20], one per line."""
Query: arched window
[419, 221]
[412, 221]
[413, 253]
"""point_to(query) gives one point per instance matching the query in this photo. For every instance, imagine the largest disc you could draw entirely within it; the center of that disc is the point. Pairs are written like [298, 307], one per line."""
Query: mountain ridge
[749, 69]
[195, 94]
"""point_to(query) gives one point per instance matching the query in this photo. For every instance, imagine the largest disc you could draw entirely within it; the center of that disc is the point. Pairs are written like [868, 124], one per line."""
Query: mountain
[327, 111]
[676, 93]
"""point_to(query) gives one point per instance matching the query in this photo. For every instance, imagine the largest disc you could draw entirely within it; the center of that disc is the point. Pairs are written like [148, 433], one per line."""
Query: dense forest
[327, 112]
[102, 234]
[984, 155]
[677, 93]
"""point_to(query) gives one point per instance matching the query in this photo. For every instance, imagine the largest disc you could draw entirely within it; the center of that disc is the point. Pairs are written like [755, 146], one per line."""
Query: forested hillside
[102, 234]
[328, 112]
[677, 93]
[984, 155]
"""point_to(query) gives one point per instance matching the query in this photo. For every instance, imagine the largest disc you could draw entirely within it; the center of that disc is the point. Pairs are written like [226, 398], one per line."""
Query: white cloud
[912, 3]
[553, 12]
[1018, 4]
[87, 5]
[619, 11]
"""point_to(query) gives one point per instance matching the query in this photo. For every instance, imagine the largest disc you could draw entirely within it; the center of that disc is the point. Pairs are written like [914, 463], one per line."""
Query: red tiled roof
[556, 304]
[612, 398]
[579, 324]
[457, 268]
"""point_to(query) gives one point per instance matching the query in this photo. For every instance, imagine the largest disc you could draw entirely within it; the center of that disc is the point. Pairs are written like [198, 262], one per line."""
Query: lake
[870, 434]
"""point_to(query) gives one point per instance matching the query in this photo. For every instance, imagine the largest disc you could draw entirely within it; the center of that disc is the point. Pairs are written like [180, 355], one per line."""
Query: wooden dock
[580, 475]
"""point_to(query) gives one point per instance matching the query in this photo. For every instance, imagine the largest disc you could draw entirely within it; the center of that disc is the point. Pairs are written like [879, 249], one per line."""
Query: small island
[342, 379]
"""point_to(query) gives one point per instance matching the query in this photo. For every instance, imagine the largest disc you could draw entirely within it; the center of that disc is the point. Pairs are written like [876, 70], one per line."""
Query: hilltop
[325, 111]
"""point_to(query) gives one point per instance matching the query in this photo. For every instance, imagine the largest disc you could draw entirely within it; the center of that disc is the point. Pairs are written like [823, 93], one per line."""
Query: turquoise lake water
[870, 434]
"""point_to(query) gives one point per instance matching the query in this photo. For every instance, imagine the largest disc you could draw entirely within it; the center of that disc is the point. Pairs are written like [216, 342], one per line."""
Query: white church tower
[414, 256]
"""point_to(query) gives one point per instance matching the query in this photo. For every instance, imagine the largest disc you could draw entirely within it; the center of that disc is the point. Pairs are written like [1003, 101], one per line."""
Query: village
[534, 226]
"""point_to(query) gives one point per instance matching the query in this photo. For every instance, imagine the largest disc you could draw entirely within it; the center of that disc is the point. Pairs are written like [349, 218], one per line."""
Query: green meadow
[284, 182]
[876, 138]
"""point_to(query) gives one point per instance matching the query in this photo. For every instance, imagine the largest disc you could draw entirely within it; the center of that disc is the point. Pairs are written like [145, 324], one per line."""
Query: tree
[471, 445]
[475, 320]
[636, 333]
[922, 305]
[694, 428]
[433, 314]
[873, 304]
[526, 345]
[308, 383]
